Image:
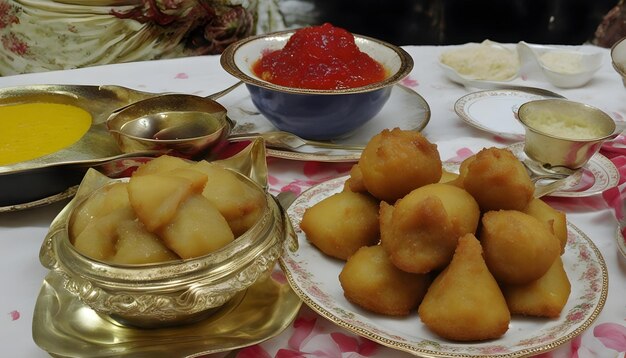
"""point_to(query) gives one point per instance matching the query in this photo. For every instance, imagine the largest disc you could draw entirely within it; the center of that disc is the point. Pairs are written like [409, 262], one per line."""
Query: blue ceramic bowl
[310, 113]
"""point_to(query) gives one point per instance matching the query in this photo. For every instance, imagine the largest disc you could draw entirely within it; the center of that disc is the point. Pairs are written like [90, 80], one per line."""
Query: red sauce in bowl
[319, 57]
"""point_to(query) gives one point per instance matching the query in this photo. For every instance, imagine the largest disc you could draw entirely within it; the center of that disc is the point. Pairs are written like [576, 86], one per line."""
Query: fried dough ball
[555, 219]
[498, 180]
[355, 182]
[421, 231]
[342, 223]
[464, 302]
[463, 168]
[448, 177]
[544, 297]
[371, 281]
[395, 162]
[518, 248]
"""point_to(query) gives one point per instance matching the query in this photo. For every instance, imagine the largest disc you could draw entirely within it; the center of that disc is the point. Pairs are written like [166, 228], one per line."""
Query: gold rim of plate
[64, 326]
[621, 240]
[348, 316]
[66, 194]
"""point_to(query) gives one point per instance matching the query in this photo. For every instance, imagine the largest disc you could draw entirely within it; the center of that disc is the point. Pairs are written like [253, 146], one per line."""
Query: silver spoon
[557, 185]
[547, 182]
[496, 86]
[281, 139]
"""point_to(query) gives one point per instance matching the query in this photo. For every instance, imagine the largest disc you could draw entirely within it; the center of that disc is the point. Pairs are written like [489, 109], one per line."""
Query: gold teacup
[563, 134]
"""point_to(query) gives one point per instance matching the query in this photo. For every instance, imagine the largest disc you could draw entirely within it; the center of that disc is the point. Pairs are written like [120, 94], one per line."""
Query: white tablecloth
[21, 233]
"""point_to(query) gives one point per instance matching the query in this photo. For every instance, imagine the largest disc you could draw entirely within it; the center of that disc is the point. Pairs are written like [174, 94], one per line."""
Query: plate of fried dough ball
[430, 262]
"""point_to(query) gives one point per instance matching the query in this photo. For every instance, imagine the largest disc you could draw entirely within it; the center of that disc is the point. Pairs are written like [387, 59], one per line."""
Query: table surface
[21, 233]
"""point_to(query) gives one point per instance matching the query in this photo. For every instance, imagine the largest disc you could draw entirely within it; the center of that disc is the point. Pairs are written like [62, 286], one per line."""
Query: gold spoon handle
[225, 91]
[291, 141]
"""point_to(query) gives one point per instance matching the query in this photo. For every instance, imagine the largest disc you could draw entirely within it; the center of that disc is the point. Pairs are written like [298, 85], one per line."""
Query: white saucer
[406, 109]
[495, 111]
[599, 168]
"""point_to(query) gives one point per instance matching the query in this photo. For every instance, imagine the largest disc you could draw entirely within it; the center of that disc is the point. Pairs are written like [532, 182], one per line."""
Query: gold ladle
[190, 124]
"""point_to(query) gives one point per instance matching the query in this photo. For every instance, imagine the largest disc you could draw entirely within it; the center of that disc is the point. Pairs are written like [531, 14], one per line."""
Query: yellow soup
[32, 130]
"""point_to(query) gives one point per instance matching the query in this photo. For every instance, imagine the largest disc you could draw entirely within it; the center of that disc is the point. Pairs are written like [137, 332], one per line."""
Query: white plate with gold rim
[314, 277]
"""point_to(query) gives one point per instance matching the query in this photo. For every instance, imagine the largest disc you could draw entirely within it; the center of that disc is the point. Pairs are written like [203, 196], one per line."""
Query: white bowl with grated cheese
[566, 67]
[485, 61]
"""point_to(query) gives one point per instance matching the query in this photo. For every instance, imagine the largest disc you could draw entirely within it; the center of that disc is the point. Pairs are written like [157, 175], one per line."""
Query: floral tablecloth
[310, 335]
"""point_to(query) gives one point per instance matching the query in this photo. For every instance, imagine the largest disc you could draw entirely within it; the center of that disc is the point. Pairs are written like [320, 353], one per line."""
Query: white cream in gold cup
[562, 133]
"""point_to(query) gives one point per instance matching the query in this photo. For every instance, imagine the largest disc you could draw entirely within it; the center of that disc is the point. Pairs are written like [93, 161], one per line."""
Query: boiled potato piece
[197, 178]
[161, 164]
[371, 281]
[102, 202]
[396, 161]
[99, 237]
[196, 229]
[241, 204]
[464, 302]
[156, 197]
[544, 297]
[421, 230]
[555, 219]
[518, 248]
[342, 223]
[136, 245]
[498, 180]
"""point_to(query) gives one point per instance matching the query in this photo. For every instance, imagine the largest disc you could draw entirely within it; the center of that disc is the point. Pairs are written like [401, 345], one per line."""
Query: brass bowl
[172, 292]
[563, 134]
[185, 124]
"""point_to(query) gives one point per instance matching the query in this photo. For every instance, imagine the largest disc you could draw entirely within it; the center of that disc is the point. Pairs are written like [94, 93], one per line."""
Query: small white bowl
[618, 58]
[475, 60]
[566, 67]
